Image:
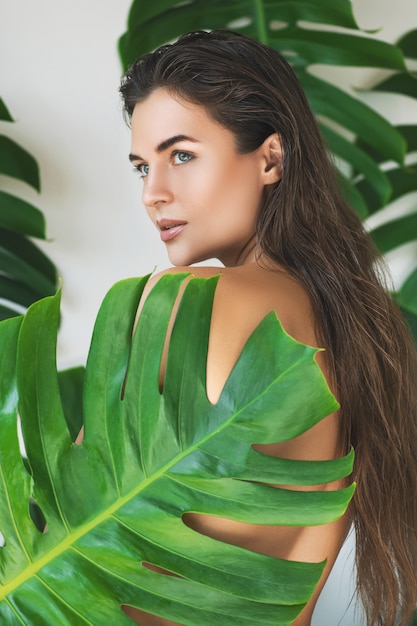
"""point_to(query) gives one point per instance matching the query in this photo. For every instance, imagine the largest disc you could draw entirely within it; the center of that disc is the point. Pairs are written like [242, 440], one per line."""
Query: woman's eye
[181, 157]
[142, 169]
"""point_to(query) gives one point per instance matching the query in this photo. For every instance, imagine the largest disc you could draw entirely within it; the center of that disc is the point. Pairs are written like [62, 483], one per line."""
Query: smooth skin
[204, 198]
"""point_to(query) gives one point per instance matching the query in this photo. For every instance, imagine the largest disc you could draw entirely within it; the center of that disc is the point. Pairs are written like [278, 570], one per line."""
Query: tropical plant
[79, 520]
[26, 273]
[403, 181]
[310, 32]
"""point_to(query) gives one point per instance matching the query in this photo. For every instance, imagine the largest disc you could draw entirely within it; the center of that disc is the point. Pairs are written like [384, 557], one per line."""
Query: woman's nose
[156, 187]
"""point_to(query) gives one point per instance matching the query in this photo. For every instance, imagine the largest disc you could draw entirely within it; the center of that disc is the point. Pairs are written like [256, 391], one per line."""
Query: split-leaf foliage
[26, 273]
[148, 456]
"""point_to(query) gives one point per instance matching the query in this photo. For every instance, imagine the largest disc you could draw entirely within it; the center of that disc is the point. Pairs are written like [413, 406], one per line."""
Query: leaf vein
[14, 611]
[64, 602]
[234, 500]
[213, 566]
[38, 370]
[12, 517]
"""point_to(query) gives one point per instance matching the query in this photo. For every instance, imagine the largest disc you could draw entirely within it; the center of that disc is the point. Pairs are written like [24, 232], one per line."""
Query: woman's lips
[170, 228]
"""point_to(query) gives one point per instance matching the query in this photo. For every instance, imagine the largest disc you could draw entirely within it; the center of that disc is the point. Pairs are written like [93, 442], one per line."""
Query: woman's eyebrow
[164, 145]
[167, 143]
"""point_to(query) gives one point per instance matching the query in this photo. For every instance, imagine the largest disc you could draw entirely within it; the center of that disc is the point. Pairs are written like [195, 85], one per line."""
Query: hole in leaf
[277, 25]
[22, 447]
[288, 53]
[2, 540]
[71, 387]
[220, 528]
[143, 618]
[240, 22]
[37, 516]
[158, 569]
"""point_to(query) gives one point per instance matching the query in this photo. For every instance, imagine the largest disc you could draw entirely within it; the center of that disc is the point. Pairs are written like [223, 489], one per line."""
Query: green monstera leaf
[116, 501]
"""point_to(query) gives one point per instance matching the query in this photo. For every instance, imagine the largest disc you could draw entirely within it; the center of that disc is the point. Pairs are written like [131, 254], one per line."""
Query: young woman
[234, 168]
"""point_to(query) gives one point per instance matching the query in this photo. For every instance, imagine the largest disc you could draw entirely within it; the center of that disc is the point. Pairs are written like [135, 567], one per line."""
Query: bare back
[244, 295]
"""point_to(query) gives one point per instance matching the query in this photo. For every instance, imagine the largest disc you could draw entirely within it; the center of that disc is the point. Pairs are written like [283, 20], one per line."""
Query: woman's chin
[183, 260]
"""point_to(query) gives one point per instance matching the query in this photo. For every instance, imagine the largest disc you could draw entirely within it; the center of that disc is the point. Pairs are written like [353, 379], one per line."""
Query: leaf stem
[261, 22]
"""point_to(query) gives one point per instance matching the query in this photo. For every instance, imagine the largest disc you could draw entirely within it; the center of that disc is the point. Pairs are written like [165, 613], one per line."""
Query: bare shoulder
[250, 292]
[203, 272]
[245, 294]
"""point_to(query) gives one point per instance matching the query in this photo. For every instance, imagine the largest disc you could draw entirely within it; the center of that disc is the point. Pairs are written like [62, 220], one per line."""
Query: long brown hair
[306, 226]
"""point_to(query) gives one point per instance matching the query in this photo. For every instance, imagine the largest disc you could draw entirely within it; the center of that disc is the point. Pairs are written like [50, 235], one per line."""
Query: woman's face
[202, 195]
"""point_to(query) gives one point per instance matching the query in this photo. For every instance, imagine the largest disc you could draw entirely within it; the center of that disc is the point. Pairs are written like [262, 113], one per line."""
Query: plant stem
[260, 21]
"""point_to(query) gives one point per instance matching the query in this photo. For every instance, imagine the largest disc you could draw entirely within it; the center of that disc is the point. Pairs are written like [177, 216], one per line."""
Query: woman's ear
[272, 155]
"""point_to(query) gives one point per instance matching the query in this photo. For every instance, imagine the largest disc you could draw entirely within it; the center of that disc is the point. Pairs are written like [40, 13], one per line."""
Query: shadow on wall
[338, 604]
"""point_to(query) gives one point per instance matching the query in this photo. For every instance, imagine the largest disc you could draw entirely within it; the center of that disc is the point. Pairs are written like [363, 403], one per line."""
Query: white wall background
[59, 75]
